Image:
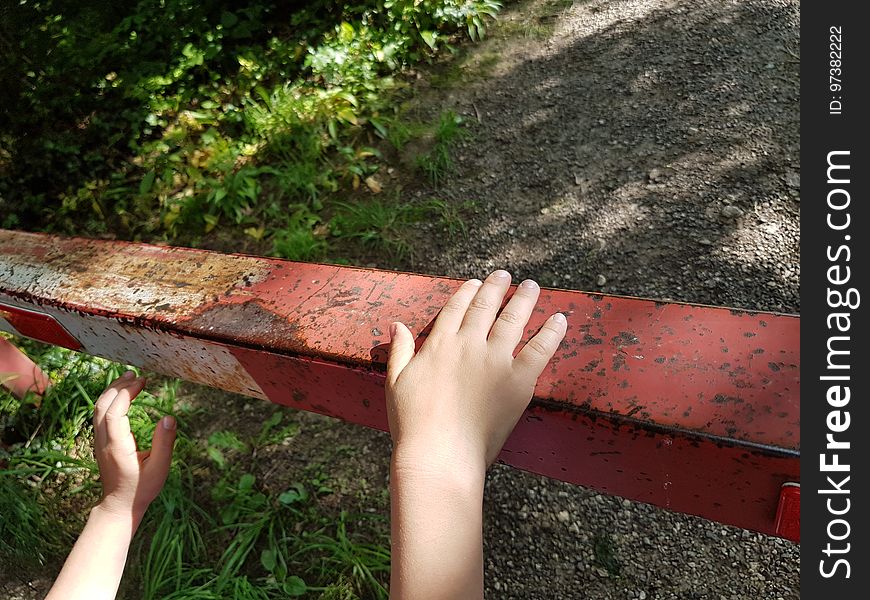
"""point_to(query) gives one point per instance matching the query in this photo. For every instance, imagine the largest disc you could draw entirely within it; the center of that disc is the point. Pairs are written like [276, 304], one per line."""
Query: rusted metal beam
[693, 408]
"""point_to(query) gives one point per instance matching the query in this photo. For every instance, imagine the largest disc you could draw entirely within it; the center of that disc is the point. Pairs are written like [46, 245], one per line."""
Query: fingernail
[528, 283]
[501, 274]
[476, 282]
[168, 422]
[127, 375]
[560, 318]
[393, 329]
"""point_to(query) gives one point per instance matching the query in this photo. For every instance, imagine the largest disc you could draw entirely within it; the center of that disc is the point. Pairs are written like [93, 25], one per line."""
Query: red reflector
[38, 326]
[788, 513]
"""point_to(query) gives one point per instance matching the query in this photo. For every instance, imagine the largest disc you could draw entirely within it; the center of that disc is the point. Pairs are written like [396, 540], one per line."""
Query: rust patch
[248, 321]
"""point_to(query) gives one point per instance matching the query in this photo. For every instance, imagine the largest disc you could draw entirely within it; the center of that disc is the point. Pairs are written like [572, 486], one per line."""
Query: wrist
[109, 509]
[450, 464]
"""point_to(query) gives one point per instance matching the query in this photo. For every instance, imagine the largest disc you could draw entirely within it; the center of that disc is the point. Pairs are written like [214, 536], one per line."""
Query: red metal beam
[693, 408]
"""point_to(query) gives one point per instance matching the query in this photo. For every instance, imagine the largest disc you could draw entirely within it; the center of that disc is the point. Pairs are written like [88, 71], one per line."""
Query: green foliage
[298, 240]
[26, 532]
[142, 118]
[605, 554]
[437, 163]
[361, 563]
[450, 215]
[376, 223]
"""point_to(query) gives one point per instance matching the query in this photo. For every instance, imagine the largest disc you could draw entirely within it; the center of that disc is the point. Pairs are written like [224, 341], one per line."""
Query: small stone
[563, 516]
[600, 280]
[793, 180]
[574, 528]
[641, 595]
[705, 242]
[731, 212]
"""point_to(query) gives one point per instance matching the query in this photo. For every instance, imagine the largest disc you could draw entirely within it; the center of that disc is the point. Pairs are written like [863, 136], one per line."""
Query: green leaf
[228, 19]
[246, 482]
[267, 559]
[217, 456]
[211, 221]
[379, 127]
[346, 114]
[294, 586]
[346, 32]
[146, 183]
[297, 493]
[429, 37]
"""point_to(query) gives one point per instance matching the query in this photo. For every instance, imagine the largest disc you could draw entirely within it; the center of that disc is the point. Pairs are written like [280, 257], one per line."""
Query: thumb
[157, 466]
[401, 351]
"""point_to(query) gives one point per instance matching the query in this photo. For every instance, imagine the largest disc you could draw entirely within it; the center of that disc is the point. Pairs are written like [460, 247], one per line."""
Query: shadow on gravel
[660, 151]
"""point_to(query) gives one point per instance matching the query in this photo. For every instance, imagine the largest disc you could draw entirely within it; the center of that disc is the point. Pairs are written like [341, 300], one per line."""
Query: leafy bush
[144, 118]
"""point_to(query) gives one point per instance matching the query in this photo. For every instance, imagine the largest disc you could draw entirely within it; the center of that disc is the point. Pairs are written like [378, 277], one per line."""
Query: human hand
[461, 395]
[131, 479]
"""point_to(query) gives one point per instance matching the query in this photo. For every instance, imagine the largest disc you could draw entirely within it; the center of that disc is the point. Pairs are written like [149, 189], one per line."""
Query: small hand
[461, 395]
[131, 479]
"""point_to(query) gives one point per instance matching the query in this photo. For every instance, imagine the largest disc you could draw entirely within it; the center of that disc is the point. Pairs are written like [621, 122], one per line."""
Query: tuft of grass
[437, 163]
[27, 533]
[363, 564]
[376, 224]
[298, 240]
[450, 215]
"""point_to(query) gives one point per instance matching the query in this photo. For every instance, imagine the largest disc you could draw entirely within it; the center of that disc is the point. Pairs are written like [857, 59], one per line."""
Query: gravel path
[641, 147]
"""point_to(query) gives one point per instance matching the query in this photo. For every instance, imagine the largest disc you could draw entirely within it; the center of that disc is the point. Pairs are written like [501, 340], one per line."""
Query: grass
[437, 163]
[215, 531]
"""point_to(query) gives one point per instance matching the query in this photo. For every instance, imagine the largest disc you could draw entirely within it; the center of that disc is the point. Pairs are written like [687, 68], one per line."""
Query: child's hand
[461, 395]
[131, 479]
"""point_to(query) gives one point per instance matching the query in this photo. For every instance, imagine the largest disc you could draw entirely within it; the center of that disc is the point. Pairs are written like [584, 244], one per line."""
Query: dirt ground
[640, 147]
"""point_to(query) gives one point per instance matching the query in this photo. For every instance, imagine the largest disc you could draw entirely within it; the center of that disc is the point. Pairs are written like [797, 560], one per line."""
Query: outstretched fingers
[484, 306]
[104, 402]
[156, 467]
[540, 349]
[116, 423]
[450, 317]
[511, 322]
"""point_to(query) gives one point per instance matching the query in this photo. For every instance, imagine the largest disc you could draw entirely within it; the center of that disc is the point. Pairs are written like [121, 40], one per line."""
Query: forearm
[437, 531]
[95, 565]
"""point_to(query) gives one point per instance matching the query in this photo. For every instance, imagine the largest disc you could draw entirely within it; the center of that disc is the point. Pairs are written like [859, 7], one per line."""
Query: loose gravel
[641, 147]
